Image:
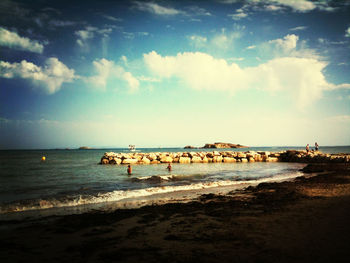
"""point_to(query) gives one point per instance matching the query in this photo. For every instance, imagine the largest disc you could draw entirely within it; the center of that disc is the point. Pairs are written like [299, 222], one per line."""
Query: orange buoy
[43, 159]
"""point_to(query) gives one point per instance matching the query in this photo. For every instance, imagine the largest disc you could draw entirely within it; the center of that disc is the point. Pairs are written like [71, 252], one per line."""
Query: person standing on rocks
[307, 148]
[316, 146]
[129, 169]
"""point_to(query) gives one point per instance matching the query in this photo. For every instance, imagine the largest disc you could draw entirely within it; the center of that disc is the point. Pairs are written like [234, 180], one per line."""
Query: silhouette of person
[307, 148]
[316, 146]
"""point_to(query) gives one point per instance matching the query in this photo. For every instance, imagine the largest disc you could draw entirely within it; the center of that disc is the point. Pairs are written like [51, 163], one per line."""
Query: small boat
[132, 148]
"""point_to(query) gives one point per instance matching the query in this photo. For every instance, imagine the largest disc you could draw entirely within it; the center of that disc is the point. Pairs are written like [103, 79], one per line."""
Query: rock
[258, 158]
[210, 155]
[227, 156]
[196, 159]
[166, 159]
[184, 160]
[152, 156]
[145, 160]
[107, 154]
[217, 159]
[104, 161]
[117, 160]
[271, 159]
[126, 156]
[192, 154]
[229, 160]
[129, 161]
[241, 155]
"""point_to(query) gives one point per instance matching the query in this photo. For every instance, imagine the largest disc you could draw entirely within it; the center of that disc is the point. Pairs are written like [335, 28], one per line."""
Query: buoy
[43, 159]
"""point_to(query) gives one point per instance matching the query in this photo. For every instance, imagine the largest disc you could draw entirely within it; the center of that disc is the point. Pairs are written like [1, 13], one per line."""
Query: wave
[166, 178]
[119, 195]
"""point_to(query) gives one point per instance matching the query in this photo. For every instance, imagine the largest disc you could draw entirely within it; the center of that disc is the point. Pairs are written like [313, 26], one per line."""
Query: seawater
[70, 178]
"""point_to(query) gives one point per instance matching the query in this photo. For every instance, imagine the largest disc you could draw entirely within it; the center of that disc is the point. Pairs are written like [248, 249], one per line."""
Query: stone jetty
[223, 157]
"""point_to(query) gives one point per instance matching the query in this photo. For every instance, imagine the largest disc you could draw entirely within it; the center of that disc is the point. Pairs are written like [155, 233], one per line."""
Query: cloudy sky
[172, 73]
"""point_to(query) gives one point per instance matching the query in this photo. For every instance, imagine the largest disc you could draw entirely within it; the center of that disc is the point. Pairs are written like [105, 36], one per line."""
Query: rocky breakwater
[313, 157]
[222, 157]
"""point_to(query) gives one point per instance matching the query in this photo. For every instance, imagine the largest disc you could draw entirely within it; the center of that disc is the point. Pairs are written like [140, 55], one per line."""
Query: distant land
[85, 148]
[217, 145]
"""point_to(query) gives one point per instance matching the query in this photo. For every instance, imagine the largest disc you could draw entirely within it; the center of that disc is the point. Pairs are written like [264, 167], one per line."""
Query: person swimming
[129, 169]
[169, 167]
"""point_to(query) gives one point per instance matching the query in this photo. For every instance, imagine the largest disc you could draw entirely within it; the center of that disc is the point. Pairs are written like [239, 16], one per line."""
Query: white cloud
[251, 47]
[301, 78]
[13, 40]
[235, 59]
[156, 8]
[273, 8]
[112, 18]
[339, 86]
[241, 12]
[89, 33]
[296, 5]
[298, 28]
[60, 23]
[339, 119]
[288, 43]
[198, 11]
[84, 35]
[50, 77]
[148, 79]
[229, 1]
[347, 32]
[197, 41]
[238, 15]
[276, 5]
[108, 71]
[224, 40]
[289, 46]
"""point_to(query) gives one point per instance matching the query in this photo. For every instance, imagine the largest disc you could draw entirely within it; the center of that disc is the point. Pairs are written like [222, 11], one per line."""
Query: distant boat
[132, 148]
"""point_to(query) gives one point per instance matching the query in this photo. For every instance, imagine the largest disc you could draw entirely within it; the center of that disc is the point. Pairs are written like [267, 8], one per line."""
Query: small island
[85, 148]
[223, 145]
[217, 145]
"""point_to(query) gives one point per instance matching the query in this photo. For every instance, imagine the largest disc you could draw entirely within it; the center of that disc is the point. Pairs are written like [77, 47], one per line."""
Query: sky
[174, 73]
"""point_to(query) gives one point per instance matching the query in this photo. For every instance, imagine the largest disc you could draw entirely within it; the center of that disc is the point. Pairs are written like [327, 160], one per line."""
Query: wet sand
[307, 220]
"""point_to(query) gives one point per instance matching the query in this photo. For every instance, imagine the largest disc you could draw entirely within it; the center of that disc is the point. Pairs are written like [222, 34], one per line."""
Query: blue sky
[173, 73]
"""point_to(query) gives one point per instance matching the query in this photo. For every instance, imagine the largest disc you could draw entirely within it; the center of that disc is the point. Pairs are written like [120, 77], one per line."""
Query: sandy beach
[305, 220]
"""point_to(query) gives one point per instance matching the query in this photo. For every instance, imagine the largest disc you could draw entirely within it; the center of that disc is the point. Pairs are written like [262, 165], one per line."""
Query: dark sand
[307, 220]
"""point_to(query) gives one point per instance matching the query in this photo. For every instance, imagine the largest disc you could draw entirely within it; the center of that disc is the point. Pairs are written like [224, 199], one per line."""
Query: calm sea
[73, 178]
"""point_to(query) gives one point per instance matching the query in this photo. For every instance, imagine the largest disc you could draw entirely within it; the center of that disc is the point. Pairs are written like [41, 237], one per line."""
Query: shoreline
[157, 195]
[305, 220]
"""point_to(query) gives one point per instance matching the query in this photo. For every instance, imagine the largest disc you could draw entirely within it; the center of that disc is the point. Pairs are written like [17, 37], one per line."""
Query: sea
[73, 181]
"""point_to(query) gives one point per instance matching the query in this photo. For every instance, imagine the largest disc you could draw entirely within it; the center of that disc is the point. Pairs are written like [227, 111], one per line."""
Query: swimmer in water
[169, 167]
[129, 169]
